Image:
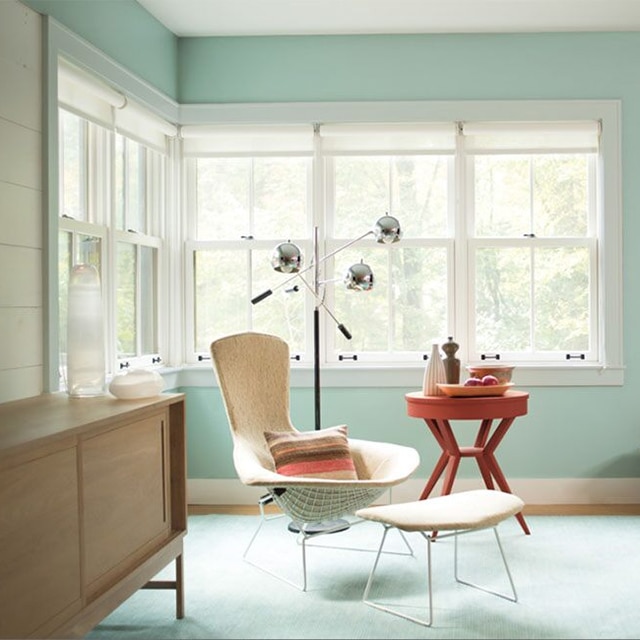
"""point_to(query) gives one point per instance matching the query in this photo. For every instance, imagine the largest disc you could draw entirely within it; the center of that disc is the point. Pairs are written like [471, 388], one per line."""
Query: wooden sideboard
[92, 508]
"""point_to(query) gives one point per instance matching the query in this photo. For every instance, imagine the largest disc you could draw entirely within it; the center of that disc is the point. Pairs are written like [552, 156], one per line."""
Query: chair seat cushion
[312, 454]
[474, 509]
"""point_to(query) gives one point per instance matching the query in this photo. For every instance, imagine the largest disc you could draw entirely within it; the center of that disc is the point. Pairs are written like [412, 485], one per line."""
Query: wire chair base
[306, 533]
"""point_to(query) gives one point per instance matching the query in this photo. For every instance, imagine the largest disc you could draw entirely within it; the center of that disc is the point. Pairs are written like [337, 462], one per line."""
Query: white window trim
[608, 111]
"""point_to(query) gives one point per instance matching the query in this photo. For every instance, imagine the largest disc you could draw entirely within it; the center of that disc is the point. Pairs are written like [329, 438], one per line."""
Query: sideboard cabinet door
[125, 497]
[39, 538]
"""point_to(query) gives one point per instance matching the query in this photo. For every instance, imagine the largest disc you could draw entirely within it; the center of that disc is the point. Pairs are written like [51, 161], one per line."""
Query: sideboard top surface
[51, 416]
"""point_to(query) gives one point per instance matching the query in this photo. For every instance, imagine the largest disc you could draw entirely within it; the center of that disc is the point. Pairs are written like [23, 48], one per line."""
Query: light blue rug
[576, 577]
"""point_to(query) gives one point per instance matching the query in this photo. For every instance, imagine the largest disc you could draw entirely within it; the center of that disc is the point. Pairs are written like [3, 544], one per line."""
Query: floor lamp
[287, 258]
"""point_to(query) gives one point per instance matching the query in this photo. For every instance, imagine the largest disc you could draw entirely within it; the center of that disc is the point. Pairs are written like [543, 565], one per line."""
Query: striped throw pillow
[312, 454]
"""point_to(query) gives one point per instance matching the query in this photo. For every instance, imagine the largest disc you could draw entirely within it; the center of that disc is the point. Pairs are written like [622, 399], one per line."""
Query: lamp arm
[320, 302]
[268, 292]
[344, 246]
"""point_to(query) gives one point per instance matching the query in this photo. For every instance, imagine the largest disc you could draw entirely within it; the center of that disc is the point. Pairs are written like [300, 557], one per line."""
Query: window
[503, 247]
[251, 190]
[113, 193]
[533, 251]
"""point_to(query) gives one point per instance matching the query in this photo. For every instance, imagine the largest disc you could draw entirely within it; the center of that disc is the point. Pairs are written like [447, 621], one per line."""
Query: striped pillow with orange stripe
[312, 454]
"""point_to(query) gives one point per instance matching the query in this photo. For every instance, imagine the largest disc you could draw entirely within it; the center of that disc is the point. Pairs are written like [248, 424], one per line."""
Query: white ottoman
[457, 513]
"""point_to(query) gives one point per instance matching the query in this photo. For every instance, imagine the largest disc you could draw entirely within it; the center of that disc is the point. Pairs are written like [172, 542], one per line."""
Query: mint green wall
[125, 31]
[408, 67]
[569, 432]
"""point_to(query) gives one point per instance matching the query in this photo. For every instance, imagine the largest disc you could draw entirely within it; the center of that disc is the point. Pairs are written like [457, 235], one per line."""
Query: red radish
[473, 382]
[489, 380]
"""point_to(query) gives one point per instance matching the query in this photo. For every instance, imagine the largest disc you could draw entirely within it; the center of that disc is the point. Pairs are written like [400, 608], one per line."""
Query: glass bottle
[434, 373]
[85, 334]
[451, 363]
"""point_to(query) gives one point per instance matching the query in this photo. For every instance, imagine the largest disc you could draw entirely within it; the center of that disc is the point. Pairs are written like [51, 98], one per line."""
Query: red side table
[439, 411]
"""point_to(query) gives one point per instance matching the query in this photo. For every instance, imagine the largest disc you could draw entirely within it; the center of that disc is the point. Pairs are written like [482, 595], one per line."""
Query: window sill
[406, 377]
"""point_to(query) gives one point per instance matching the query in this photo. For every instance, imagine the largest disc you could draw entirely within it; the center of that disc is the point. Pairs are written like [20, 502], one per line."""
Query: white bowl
[137, 383]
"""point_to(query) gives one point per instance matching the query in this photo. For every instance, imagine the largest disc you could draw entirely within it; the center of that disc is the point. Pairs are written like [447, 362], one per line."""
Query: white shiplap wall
[21, 295]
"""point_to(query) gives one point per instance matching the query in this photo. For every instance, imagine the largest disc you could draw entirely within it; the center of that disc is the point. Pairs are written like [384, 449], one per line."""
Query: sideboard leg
[179, 588]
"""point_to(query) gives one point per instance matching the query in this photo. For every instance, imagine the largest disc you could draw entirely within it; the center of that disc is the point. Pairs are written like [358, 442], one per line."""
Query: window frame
[99, 186]
[611, 370]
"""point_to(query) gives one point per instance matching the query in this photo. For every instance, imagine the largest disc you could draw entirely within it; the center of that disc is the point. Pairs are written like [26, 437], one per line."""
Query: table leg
[493, 468]
[435, 475]
[449, 458]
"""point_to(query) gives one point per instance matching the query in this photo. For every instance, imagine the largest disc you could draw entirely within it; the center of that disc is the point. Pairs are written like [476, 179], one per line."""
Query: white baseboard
[532, 491]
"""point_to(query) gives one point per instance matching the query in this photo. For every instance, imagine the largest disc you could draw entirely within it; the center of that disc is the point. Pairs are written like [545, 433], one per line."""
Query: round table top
[509, 405]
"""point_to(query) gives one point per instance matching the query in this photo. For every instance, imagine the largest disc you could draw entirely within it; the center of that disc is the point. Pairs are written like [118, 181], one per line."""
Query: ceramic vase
[85, 334]
[434, 373]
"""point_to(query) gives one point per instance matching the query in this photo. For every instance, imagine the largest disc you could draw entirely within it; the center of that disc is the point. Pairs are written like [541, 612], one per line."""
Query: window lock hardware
[353, 357]
[156, 360]
[486, 356]
[577, 356]
[132, 231]
[529, 235]
[296, 357]
[124, 365]
[201, 358]
[249, 237]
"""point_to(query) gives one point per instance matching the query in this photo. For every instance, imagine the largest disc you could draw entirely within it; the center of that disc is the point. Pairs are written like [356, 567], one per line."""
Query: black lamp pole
[316, 365]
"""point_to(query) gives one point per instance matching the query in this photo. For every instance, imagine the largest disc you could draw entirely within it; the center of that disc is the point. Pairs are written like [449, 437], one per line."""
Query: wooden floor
[530, 509]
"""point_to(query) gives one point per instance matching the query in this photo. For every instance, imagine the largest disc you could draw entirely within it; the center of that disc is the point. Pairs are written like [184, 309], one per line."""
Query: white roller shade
[388, 138]
[86, 95]
[90, 97]
[143, 125]
[535, 137]
[247, 139]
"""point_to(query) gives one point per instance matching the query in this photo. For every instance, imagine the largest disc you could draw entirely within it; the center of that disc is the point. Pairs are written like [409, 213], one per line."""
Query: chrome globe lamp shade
[359, 277]
[387, 230]
[287, 258]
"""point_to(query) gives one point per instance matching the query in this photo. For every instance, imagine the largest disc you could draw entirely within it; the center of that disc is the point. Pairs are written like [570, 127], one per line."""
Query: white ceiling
[191, 18]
